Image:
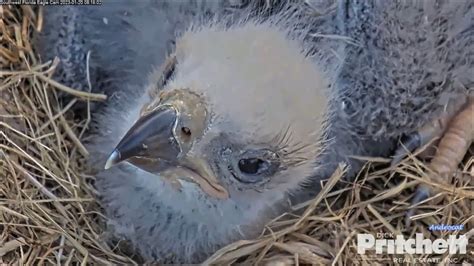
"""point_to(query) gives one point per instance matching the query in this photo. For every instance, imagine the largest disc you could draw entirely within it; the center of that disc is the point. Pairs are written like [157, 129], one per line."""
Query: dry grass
[48, 214]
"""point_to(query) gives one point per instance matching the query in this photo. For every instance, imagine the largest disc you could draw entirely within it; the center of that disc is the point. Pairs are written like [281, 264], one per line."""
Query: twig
[77, 93]
[73, 137]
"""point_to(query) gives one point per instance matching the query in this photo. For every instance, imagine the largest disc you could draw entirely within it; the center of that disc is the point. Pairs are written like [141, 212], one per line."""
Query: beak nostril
[186, 131]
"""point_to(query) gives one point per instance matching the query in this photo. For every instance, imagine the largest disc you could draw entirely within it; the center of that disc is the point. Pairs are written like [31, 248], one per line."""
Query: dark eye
[186, 131]
[251, 166]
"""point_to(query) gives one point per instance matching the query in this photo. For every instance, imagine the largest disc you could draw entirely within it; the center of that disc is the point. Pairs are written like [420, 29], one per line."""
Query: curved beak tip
[113, 159]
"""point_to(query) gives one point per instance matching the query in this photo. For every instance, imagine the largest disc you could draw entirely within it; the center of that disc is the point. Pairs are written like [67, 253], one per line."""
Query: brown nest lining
[48, 213]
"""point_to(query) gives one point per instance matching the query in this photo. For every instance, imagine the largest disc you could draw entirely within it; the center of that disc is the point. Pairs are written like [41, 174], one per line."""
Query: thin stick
[73, 137]
[77, 93]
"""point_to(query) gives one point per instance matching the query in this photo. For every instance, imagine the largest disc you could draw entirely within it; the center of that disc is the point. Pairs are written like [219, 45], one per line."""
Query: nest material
[48, 213]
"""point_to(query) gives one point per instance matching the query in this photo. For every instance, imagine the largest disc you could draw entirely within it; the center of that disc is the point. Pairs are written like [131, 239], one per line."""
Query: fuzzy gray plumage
[396, 62]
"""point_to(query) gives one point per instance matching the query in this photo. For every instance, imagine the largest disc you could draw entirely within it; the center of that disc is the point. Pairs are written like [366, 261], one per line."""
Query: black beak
[151, 144]
[150, 137]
